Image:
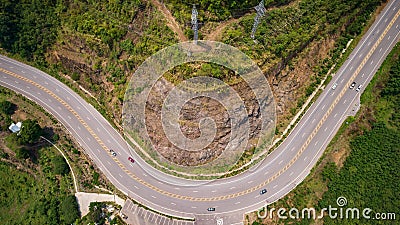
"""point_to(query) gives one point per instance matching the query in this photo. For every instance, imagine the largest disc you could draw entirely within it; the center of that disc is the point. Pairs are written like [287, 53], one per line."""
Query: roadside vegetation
[35, 181]
[362, 161]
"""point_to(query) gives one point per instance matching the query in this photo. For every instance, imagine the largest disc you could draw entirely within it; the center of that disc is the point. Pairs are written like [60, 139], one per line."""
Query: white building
[15, 127]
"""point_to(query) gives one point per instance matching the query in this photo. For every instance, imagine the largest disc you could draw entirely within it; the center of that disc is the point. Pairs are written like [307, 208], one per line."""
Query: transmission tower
[261, 10]
[195, 24]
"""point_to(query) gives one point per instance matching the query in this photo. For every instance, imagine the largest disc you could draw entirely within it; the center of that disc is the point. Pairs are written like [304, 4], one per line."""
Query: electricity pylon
[195, 24]
[261, 10]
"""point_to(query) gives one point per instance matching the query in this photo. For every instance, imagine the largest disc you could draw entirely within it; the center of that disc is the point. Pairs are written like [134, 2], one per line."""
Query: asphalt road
[279, 173]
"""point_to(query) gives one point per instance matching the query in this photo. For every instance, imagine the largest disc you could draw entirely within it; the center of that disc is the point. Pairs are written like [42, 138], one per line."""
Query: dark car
[211, 209]
[113, 153]
[352, 85]
[130, 159]
[263, 191]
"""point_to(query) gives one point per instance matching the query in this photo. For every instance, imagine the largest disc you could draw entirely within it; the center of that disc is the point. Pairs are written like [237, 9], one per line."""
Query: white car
[334, 86]
[352, 85]
[359, 88]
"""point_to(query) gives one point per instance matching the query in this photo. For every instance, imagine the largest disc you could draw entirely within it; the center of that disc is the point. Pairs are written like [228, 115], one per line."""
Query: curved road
[279, 173]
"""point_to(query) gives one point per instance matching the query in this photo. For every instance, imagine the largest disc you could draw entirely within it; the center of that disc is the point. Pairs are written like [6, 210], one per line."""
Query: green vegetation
[33, 197]
[84, 17]
[75, 76]
[197, 69]
[30, 132]
[18, 190]
[369, 176]
[31, 194]
[69, 209]
[22, 153]
[60, 165]
[7, 107]
[287, 31]
[96, 178]
[96, 212]
[29, 28]
[23, 141]
[6, 110]
[214, 11]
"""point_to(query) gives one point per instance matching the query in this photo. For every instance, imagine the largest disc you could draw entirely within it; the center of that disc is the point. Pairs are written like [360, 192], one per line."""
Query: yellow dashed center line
[218, 198]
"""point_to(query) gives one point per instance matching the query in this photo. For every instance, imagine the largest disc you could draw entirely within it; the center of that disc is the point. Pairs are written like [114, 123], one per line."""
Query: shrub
[60, 165]
[69, 210]
[22, 153]
[75, 76]
[30, 132]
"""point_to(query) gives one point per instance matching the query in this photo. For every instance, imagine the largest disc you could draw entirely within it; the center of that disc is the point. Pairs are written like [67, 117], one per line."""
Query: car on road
[352, 85]
[113, 152]
[130, 159]
[263, 191]
[211, 209]
[334, 86]
[359, 88]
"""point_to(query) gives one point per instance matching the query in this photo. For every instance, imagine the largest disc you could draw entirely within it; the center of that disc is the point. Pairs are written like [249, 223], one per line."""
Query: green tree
[69, 210]
[30, 132]
[75, 76]
[22, 153]
[96, 212]
[60, 165]
[7, 107]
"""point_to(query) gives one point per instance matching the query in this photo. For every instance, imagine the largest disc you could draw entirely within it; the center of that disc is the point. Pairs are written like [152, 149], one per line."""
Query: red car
[130, 159]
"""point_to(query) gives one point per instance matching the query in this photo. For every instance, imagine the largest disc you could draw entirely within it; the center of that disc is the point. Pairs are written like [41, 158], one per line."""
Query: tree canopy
[30, 132]
[7, 107]
[60, 165]
[69, 210]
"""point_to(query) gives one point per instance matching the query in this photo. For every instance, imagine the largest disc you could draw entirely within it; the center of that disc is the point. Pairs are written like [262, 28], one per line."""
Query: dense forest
[29, 27]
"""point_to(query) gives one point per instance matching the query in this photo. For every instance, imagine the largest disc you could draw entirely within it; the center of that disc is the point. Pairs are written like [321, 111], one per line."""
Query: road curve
[279, 173]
